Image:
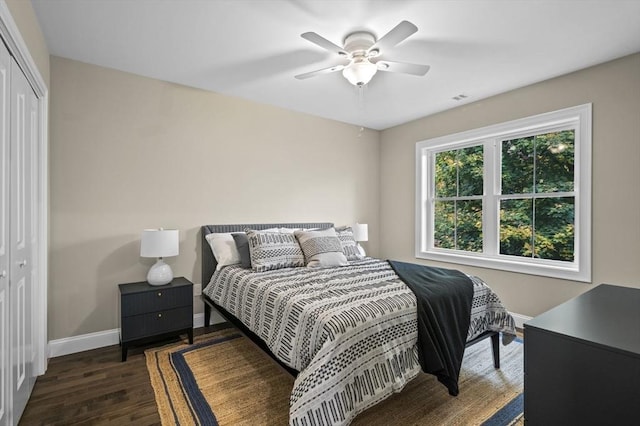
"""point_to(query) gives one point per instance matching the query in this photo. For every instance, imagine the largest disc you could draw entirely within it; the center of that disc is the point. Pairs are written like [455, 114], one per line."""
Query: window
[514, 196]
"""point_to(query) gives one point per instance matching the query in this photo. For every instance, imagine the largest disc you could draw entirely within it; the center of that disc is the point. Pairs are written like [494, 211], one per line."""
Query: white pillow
[288, 230]
[224, 249]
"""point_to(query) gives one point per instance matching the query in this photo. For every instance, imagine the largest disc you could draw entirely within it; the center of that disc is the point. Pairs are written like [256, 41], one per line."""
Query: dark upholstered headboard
[209, 262]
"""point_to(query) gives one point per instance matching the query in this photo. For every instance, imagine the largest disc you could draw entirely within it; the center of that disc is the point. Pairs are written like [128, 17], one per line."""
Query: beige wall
[614, 90]
[129, 153]
[26, 21]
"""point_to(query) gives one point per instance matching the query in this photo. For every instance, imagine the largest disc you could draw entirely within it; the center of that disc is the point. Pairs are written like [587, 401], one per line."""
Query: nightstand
[149, 313]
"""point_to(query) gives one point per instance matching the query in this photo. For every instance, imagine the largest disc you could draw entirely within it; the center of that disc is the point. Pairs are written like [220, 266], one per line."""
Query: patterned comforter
[350, 331]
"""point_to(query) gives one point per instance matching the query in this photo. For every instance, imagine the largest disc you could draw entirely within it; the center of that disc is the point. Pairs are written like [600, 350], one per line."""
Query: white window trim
[580, 269]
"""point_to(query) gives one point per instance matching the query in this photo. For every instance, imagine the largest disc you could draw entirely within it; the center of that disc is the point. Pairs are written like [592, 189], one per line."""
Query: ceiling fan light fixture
[360, 48]
[360, 71]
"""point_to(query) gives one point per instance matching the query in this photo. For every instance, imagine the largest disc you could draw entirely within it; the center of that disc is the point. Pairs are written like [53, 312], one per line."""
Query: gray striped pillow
[349, 245]
[321, 248]
[273, 250]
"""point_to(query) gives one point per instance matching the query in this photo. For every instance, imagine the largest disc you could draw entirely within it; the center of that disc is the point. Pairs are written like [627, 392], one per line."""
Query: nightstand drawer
[165, 321]
[156, 300]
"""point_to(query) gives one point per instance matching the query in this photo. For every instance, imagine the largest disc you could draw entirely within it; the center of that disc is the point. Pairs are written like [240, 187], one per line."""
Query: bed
[348, 334]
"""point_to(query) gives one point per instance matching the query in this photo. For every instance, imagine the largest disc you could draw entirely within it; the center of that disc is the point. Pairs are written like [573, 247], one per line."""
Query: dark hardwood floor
[96, 388]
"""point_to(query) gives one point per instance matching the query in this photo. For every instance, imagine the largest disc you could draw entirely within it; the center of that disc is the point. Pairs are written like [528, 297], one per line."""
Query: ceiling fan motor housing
[357, 44]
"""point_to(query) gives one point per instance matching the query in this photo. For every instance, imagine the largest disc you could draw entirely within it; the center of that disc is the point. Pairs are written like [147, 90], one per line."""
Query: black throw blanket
[444, 314]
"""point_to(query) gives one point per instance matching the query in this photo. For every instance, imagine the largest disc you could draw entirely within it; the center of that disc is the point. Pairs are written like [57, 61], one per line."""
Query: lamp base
[160, 273]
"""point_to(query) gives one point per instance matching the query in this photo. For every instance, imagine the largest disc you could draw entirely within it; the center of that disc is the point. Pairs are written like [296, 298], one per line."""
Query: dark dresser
[150, 313]
[582, 361]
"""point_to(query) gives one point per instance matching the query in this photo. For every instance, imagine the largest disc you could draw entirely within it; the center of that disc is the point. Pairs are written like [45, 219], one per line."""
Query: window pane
[554, 228]
[445, 225]
[469, 225]
[516, 225]
[517, 165]
[470, 171]
[554, 161]
[446, 174]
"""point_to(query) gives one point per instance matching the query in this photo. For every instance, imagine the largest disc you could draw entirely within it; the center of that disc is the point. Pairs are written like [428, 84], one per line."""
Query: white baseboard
[87, 342]
[216, 318]
[100, 339]
[83, 342]
[520, 319]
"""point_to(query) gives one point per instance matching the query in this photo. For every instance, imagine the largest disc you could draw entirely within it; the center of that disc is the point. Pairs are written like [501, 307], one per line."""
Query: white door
[20, 319]
[5, 365]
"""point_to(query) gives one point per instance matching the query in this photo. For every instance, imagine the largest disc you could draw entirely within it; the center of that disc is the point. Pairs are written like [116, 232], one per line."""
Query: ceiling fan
[363, 52]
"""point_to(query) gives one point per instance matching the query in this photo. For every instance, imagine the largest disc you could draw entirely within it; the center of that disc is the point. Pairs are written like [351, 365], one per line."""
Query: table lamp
[361, 233]
[159, 243]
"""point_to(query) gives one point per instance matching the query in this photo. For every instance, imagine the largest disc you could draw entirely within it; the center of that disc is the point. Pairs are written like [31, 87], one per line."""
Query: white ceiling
[252, 48]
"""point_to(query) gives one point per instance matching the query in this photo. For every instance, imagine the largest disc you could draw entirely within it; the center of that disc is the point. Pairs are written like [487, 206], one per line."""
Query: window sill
[551, 269]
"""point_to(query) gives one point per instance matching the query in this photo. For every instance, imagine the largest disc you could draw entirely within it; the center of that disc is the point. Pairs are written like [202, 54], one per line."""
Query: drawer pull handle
[159, 315]
[159, 293]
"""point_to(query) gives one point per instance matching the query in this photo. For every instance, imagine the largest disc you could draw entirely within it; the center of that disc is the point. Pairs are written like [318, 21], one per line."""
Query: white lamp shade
[361, 232]
[159, 243]
[360, 71]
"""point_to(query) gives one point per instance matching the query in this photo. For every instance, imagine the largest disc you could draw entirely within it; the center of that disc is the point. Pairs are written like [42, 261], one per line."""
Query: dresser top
[143, 286]
[607, 316]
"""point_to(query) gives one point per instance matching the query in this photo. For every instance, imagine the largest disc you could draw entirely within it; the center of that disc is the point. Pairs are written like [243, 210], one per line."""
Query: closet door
[20, 315]
[5, 364]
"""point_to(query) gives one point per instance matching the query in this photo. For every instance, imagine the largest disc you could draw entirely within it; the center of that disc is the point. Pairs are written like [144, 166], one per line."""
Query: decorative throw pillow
[242, 243]
[224, 249]
[349, 244]
[321, 248]
[273, 250]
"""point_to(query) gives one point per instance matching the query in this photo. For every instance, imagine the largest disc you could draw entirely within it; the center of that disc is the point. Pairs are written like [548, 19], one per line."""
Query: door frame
[18, 49]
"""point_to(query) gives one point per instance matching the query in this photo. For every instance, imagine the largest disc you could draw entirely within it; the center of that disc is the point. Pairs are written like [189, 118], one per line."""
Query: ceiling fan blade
[413, 69]
[318, 72]
[400, 32]
[324, 43]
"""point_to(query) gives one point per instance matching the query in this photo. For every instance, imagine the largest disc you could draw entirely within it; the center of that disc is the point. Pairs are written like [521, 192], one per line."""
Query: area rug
[223, 379]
